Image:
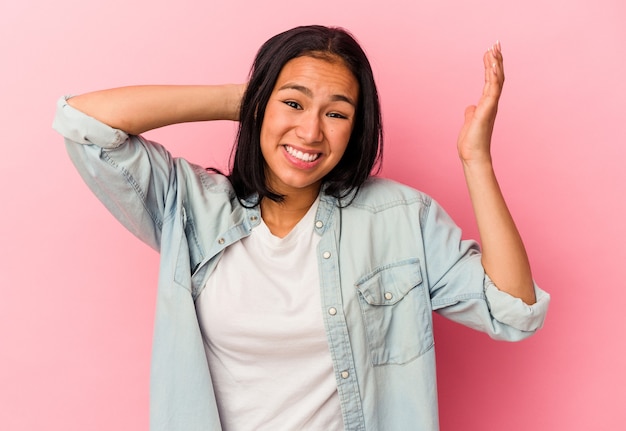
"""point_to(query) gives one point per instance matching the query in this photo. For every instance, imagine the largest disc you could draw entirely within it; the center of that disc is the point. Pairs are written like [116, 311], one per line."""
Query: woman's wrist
[233, 93]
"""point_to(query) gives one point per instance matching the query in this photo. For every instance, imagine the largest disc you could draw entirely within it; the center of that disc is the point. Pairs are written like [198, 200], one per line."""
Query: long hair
[364, 150]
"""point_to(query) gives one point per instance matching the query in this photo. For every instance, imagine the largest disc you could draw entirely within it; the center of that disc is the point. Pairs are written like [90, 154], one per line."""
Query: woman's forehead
[310, 75]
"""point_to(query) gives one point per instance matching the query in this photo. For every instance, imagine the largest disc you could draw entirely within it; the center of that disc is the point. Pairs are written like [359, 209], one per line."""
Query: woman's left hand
[475, 137]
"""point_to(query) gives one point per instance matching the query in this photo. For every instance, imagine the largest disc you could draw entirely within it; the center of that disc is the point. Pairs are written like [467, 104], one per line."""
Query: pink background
[77, 291]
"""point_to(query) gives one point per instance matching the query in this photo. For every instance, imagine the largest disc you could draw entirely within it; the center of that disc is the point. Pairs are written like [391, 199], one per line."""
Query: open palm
[475, 137]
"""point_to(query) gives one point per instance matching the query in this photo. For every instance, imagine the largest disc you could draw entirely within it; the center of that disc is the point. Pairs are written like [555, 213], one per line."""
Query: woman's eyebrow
[307, 92]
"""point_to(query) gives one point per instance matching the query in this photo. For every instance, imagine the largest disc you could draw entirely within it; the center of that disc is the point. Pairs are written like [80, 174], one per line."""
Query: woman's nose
[309, 128]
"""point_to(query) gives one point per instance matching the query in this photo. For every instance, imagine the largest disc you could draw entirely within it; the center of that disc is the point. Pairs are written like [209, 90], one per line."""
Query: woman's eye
[294, 105]
[336, 115]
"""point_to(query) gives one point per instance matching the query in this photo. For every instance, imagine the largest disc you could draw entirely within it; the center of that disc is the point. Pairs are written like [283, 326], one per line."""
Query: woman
[298, 226]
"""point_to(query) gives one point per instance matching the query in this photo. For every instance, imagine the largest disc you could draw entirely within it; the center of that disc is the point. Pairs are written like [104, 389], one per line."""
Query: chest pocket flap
[388, 285]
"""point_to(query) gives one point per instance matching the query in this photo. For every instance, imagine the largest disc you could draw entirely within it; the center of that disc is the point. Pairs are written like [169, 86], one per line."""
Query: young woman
[297, 291]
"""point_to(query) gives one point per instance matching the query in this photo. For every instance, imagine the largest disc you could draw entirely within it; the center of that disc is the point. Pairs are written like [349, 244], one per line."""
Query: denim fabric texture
[386, 262]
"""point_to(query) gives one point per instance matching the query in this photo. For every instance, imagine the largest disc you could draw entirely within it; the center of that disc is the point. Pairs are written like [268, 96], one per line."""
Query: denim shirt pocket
[396, 313]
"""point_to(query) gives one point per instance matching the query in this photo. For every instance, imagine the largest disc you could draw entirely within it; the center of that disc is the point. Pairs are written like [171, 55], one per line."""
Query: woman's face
[308, 121]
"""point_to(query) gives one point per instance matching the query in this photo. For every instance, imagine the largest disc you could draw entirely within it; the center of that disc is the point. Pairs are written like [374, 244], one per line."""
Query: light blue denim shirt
[386, 262]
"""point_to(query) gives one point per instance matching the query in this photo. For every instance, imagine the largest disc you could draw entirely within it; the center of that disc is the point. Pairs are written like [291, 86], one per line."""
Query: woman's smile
[302, 156]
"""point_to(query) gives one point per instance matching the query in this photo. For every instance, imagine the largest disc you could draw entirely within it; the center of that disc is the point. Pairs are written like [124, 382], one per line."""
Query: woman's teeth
[305, 157]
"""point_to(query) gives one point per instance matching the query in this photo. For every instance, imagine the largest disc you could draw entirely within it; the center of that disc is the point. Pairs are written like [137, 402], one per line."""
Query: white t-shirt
[261, 321]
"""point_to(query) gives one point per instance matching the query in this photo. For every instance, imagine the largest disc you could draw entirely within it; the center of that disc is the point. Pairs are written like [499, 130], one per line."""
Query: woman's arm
[141, 108]
[504, 257]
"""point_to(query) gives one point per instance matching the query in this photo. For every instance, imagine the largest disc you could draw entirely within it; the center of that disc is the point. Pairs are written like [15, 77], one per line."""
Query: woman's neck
[282, 217]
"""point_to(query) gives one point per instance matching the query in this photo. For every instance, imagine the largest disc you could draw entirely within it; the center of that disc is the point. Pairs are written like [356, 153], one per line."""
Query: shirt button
[319, 224]
[388, 296]
[332, 311]
[254, 218]
[326, 255]
[345, 374]
[221, 241]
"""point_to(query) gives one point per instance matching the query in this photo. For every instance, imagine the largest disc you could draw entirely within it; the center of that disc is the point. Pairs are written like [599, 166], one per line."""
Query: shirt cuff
[513, 311]
[83, 129]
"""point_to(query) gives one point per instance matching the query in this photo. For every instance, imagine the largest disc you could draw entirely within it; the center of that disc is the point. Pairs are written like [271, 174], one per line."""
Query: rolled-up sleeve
[513, 311]
[131, 176]
[462, 291]
[79, 128]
